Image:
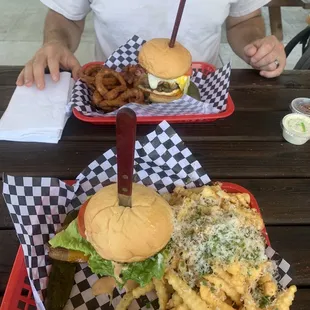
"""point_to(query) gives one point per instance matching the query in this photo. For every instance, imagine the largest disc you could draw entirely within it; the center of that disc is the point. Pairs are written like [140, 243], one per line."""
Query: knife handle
[126, 123]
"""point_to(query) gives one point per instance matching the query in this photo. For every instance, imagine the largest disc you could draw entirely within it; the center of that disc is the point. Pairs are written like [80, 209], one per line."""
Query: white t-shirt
[116, 21]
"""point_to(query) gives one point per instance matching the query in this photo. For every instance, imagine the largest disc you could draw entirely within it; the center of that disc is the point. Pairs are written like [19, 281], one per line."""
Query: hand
[52, 55]
[264, 54]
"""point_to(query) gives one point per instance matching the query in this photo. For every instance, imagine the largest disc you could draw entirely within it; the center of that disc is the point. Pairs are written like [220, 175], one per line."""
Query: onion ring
[92, 69]
[97, 98]
[105, 93]
[130, 95]
[132, 74]
[87, 75]
[110, 81]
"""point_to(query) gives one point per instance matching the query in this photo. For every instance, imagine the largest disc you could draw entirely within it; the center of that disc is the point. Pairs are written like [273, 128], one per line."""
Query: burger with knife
[123, 230]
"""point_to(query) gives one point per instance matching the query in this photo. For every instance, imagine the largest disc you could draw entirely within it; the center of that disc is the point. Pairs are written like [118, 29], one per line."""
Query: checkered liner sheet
[213, 89]
[38, 206]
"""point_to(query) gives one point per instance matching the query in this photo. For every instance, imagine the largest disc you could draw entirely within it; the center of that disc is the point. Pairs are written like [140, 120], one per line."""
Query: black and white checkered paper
[38, 207]
[213, 88]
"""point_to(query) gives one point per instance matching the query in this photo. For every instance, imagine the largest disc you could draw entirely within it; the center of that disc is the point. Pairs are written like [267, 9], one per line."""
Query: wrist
[54, 38]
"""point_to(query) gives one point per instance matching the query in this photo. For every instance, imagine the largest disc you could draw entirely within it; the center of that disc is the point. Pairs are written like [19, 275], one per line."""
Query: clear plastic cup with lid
[301, 106]
[296, 128]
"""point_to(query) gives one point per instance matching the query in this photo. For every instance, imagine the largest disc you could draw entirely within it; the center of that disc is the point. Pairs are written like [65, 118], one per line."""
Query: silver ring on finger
[277, 63]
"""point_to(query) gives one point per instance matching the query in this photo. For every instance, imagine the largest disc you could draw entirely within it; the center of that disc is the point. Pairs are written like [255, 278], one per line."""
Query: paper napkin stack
[35, 115]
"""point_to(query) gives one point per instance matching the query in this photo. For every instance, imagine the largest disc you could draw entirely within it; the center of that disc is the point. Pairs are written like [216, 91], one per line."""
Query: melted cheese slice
[182, 81]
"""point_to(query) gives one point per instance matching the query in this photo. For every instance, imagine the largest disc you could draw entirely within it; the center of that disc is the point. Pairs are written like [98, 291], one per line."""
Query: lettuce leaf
[141, 272]
[71, 239]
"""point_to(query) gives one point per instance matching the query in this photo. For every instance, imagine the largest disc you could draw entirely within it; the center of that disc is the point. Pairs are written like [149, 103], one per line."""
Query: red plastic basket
[18, 293]
[205, 68]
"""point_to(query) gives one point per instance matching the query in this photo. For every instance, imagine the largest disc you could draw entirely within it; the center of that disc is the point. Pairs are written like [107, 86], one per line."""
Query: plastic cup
[301, 106]
[296, 128]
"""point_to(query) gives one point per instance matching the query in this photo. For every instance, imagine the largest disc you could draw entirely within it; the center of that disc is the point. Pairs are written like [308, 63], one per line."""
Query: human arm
[61, 39]
[246, 36]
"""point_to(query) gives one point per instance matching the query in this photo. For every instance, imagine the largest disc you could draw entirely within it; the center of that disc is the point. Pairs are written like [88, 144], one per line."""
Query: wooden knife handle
[126, 123]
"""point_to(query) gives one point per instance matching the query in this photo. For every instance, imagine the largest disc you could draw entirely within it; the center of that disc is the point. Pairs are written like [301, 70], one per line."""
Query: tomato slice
[189, 72]
[80, 219]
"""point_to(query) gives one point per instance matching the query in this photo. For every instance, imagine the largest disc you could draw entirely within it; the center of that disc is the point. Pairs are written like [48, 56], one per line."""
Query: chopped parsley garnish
[264, 301]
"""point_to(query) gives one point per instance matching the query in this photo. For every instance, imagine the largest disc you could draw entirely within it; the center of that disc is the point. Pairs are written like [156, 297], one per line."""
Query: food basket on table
[164, 163]
[215, 101]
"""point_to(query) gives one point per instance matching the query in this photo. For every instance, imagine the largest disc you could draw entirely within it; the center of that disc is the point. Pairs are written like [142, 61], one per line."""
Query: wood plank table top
[247, 148]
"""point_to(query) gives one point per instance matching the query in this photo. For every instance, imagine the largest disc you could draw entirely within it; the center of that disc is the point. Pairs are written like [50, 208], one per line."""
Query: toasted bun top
[162, 61]
[125, 234]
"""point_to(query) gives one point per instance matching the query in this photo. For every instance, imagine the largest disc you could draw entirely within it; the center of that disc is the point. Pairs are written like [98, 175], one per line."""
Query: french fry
[234, 268]
[241, 199]
[254, 274]
[134, 294]
[229, 291]
[284, 299]
[182, 307]
[175, 301]
[249, 303]
[161, 293]
[140, 291]
[238, 282]
[268, 285]
[211, 299]
[190, 298]
[251, 217]
[125, 302]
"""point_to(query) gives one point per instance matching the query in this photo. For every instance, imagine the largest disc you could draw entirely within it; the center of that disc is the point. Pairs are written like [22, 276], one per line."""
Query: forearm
[244, 33]
[60, 29]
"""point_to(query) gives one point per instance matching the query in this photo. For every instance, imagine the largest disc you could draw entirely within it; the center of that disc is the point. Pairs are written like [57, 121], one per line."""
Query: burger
[127, 243]
[168, 70]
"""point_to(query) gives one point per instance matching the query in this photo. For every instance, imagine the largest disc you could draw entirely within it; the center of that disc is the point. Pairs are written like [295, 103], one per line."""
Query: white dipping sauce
[296, 128]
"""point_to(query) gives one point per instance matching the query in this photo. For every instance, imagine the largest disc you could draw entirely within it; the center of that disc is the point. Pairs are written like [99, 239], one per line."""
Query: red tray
[18, 294]
[206, 68]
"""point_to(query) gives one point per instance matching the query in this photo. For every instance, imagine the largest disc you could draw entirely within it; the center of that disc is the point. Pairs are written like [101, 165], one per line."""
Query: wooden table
[247, 148]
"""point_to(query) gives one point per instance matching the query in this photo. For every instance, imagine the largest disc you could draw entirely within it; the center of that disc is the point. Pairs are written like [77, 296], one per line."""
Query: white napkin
[38, 115]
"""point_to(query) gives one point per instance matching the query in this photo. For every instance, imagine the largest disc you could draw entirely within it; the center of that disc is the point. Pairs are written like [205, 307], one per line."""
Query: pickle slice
[61, 278]
[193, 91]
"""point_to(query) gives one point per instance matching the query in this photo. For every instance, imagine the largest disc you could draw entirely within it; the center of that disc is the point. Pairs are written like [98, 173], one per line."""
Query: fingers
[39, 65]
[271, 74]
[28, 74]
[53, 64]
[52, 55]
[274, 73]
[75, 67]
[268, 51]
[270, 67]
[250, 50]
[266, 61]
[20, 78]
[265, 49]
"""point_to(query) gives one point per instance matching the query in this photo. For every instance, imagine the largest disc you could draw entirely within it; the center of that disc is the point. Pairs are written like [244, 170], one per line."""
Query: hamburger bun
[162, 97]
[162, 61]
[123, 234]
[157, 98]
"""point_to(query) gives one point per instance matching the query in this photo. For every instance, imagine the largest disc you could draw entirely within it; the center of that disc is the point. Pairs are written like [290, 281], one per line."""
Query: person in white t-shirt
[116, 21]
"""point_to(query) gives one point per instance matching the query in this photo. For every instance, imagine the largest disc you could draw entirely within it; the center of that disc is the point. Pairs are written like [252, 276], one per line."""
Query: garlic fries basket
[38, 206]
[213, 89]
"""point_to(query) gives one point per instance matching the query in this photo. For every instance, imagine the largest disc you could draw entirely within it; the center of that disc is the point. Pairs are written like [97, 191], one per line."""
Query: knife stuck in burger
[126, 242]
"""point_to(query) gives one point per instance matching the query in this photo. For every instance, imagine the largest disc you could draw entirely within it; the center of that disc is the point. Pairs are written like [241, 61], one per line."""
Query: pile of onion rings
[111, 89]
